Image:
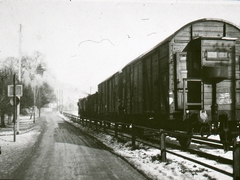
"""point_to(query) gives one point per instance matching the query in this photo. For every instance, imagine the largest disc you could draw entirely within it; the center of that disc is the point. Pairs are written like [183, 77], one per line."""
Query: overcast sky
[85, 42]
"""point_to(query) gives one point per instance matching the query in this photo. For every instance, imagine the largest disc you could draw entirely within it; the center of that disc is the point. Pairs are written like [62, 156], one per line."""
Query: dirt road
[63, 152]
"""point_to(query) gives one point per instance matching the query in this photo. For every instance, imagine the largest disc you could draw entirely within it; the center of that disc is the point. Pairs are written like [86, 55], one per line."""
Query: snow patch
[148, 160]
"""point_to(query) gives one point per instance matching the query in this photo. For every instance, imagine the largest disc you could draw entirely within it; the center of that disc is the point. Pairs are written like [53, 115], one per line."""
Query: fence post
[133, 134]
[89, 123]
[236, 160]
[80, 120]
[116, 129]
[96, 125]
[104, 126]
[100, 124]
[163, 146]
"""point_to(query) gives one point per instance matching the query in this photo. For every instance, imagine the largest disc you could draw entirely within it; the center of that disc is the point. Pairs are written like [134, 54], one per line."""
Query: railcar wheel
[184, 141]
[205, 131]
[226, 138]
[225, 132]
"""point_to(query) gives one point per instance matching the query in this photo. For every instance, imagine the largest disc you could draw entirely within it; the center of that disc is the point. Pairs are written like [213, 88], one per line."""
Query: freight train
[189, 82]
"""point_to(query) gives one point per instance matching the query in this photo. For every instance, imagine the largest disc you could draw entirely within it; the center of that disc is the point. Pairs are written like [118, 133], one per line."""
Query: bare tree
[32, 75]
[7, 69]
[32, 69]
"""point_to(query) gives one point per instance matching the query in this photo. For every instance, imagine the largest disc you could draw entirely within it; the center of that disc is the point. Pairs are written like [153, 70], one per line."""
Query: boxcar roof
[115, 74]
[168, 39]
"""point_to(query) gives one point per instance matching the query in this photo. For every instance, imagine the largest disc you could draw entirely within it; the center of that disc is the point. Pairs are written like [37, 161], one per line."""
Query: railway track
[174, 145]
[152, 139]
[171, 147]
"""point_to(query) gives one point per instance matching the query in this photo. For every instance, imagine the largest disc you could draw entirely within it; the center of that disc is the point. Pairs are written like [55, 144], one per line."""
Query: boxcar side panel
[155, 78]
[100, 98]
[147, 75]
[163, 85]
[137, 88]
[178, 67]
[127, 89]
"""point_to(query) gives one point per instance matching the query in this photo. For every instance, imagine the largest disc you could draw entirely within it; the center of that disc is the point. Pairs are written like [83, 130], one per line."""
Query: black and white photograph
[120, 89]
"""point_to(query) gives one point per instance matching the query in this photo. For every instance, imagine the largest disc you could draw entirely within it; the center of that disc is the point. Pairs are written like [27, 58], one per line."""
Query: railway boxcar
[109, 97]
[189, 82]
[88, 106]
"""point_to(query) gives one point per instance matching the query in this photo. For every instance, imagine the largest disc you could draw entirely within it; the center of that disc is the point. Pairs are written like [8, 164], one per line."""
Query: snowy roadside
[14, 153]
[146, 159]
[25, 125]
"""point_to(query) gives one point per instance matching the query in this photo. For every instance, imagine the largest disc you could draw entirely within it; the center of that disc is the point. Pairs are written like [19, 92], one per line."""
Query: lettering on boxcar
[224, 98]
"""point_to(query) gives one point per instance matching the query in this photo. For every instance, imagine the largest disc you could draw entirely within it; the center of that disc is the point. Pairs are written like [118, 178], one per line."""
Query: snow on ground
[13, 153]
[144, 158]
[147, 160]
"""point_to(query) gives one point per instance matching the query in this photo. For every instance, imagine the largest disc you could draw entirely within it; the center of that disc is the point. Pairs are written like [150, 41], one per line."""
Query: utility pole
[19, 73]
[39, 101]
[14, 108]
[34, 102]
[62, 100]
[57, 99]
[40, 70]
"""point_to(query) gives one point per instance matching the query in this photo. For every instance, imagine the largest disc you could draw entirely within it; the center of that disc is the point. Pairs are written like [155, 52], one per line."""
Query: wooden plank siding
[102, 97]
[112, 94]
[148, 79]
[137, 88]
[127, 89]
[232, 31]
[108, 95]
[155, 78]
[163, 59]
[184, 36]
[208, 29]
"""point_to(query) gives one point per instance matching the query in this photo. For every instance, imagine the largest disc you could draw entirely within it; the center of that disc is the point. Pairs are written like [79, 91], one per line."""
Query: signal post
[15, 92]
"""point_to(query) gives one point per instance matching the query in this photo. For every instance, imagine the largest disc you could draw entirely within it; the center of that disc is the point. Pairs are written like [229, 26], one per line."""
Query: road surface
[63, 152]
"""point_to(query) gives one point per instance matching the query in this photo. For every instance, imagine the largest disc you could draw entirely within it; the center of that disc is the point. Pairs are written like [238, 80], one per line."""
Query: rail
[162, 134]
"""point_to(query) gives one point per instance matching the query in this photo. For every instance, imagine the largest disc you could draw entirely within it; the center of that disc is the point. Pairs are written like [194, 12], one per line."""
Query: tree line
[36, 89]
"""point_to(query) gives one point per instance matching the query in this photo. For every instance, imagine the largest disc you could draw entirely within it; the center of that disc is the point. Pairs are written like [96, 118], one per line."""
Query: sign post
[14, 109]
[18, 90]
[15, 91]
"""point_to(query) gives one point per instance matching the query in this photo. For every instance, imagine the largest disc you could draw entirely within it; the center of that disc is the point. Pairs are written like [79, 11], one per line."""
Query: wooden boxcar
[109, 97]
[88, 106]
[190, 82]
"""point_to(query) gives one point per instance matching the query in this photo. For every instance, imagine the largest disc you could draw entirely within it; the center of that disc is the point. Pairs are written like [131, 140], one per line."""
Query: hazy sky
[85, 42]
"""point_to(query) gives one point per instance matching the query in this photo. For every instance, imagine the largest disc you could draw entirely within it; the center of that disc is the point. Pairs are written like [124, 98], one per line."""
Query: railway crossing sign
[19, 90]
